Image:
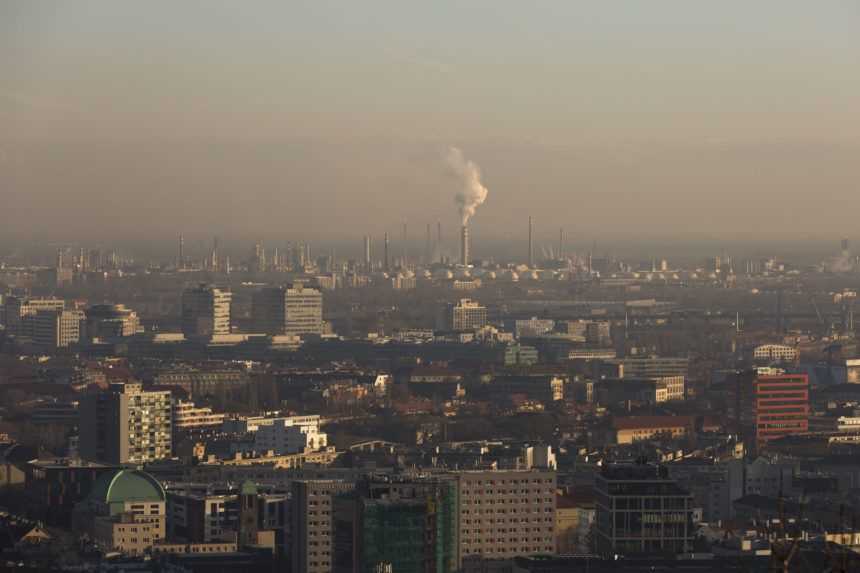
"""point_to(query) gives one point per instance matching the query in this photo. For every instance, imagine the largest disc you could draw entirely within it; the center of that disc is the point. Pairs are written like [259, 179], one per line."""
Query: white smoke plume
[473, 192]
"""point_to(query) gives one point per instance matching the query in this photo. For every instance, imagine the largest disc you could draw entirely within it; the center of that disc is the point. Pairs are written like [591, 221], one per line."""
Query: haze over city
[455, 287]
[671, 121]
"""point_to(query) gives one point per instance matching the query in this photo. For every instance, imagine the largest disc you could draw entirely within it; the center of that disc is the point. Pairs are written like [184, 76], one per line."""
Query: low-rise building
[188, 417]
[775, 353]
[124, 512]
[283, 436]
[632, 429]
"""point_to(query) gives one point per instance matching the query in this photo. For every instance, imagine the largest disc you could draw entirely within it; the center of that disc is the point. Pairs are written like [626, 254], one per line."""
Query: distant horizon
[681, 249]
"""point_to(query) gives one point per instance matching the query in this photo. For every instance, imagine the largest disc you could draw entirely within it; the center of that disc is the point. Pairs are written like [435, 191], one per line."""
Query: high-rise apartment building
[504, 514]
[205, 311]
[53, 329]
[311, 524]
[767, 406]
[126, 425]
[780, 406]
[294, 310]
[640, 511]
[465, 314]
[407, 523]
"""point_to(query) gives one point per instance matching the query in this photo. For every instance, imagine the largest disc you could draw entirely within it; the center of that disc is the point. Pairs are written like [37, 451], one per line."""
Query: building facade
[54, 329]
[504, 514]
[409, 524]
[465, 314]
[780, 406]
[21, 312]
[206, 311]
[292, 310]
[311, 524]
[124, 512]
[640, 510]
[283, 436]
[111, 321]
[775, 353]
[188, 418]
[126, 425]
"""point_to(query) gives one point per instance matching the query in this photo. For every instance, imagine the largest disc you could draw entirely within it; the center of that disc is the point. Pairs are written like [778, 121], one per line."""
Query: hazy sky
[297, 119]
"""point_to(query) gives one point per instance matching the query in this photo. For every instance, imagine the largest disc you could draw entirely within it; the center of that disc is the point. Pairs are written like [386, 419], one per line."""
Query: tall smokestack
[464, 245]
[531, 249]
[561, 243]
[386, 263]
[428, 247]
[405, 252]
[439, 239]
[181, 262]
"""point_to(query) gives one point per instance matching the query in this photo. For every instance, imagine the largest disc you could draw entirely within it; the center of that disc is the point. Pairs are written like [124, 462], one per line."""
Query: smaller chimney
[464, 245]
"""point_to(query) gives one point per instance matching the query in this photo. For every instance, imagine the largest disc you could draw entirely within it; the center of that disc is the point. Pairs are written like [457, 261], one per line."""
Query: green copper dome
[125, 486]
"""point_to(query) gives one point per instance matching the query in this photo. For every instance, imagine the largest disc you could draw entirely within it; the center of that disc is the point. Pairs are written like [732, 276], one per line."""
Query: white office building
[283, 436]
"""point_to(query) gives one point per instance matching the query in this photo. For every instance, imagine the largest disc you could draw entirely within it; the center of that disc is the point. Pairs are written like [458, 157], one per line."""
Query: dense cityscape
[564, 412]
[492, 286]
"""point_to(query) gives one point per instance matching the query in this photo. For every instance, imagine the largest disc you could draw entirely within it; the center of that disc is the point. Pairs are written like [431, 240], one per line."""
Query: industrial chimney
[386, 262]
[464, 245]
[531, 256]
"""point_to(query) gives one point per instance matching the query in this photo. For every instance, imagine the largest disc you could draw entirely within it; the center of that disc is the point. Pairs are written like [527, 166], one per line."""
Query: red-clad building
[780, 405]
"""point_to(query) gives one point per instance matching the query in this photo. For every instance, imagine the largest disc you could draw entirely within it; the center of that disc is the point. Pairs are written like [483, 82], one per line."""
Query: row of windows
[503, 530]
[510, 550]
[505, 491]
[524, 510]
[503, 501]
[511, 520]
[513, 481]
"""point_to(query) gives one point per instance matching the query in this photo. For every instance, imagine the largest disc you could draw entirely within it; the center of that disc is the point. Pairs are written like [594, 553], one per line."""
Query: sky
[669, 119]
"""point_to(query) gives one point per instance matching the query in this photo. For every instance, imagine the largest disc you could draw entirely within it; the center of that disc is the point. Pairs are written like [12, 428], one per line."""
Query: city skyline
[451, 287]
[722, 125]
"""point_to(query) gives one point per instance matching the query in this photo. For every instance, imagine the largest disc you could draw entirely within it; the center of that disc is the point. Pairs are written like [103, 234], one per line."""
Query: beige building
[294, 310]
[775, 353]
[675, 387]
[124, 512]
[635, 428]
[465, 314]
[187, 417]
[574, 516]
[504, 514]
[206, 311]
[165, 548]
[311, 525]
[54, 329]
[126, 425]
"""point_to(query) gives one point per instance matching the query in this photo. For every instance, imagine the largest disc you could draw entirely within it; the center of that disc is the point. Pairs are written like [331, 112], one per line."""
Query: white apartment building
[282, 436]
